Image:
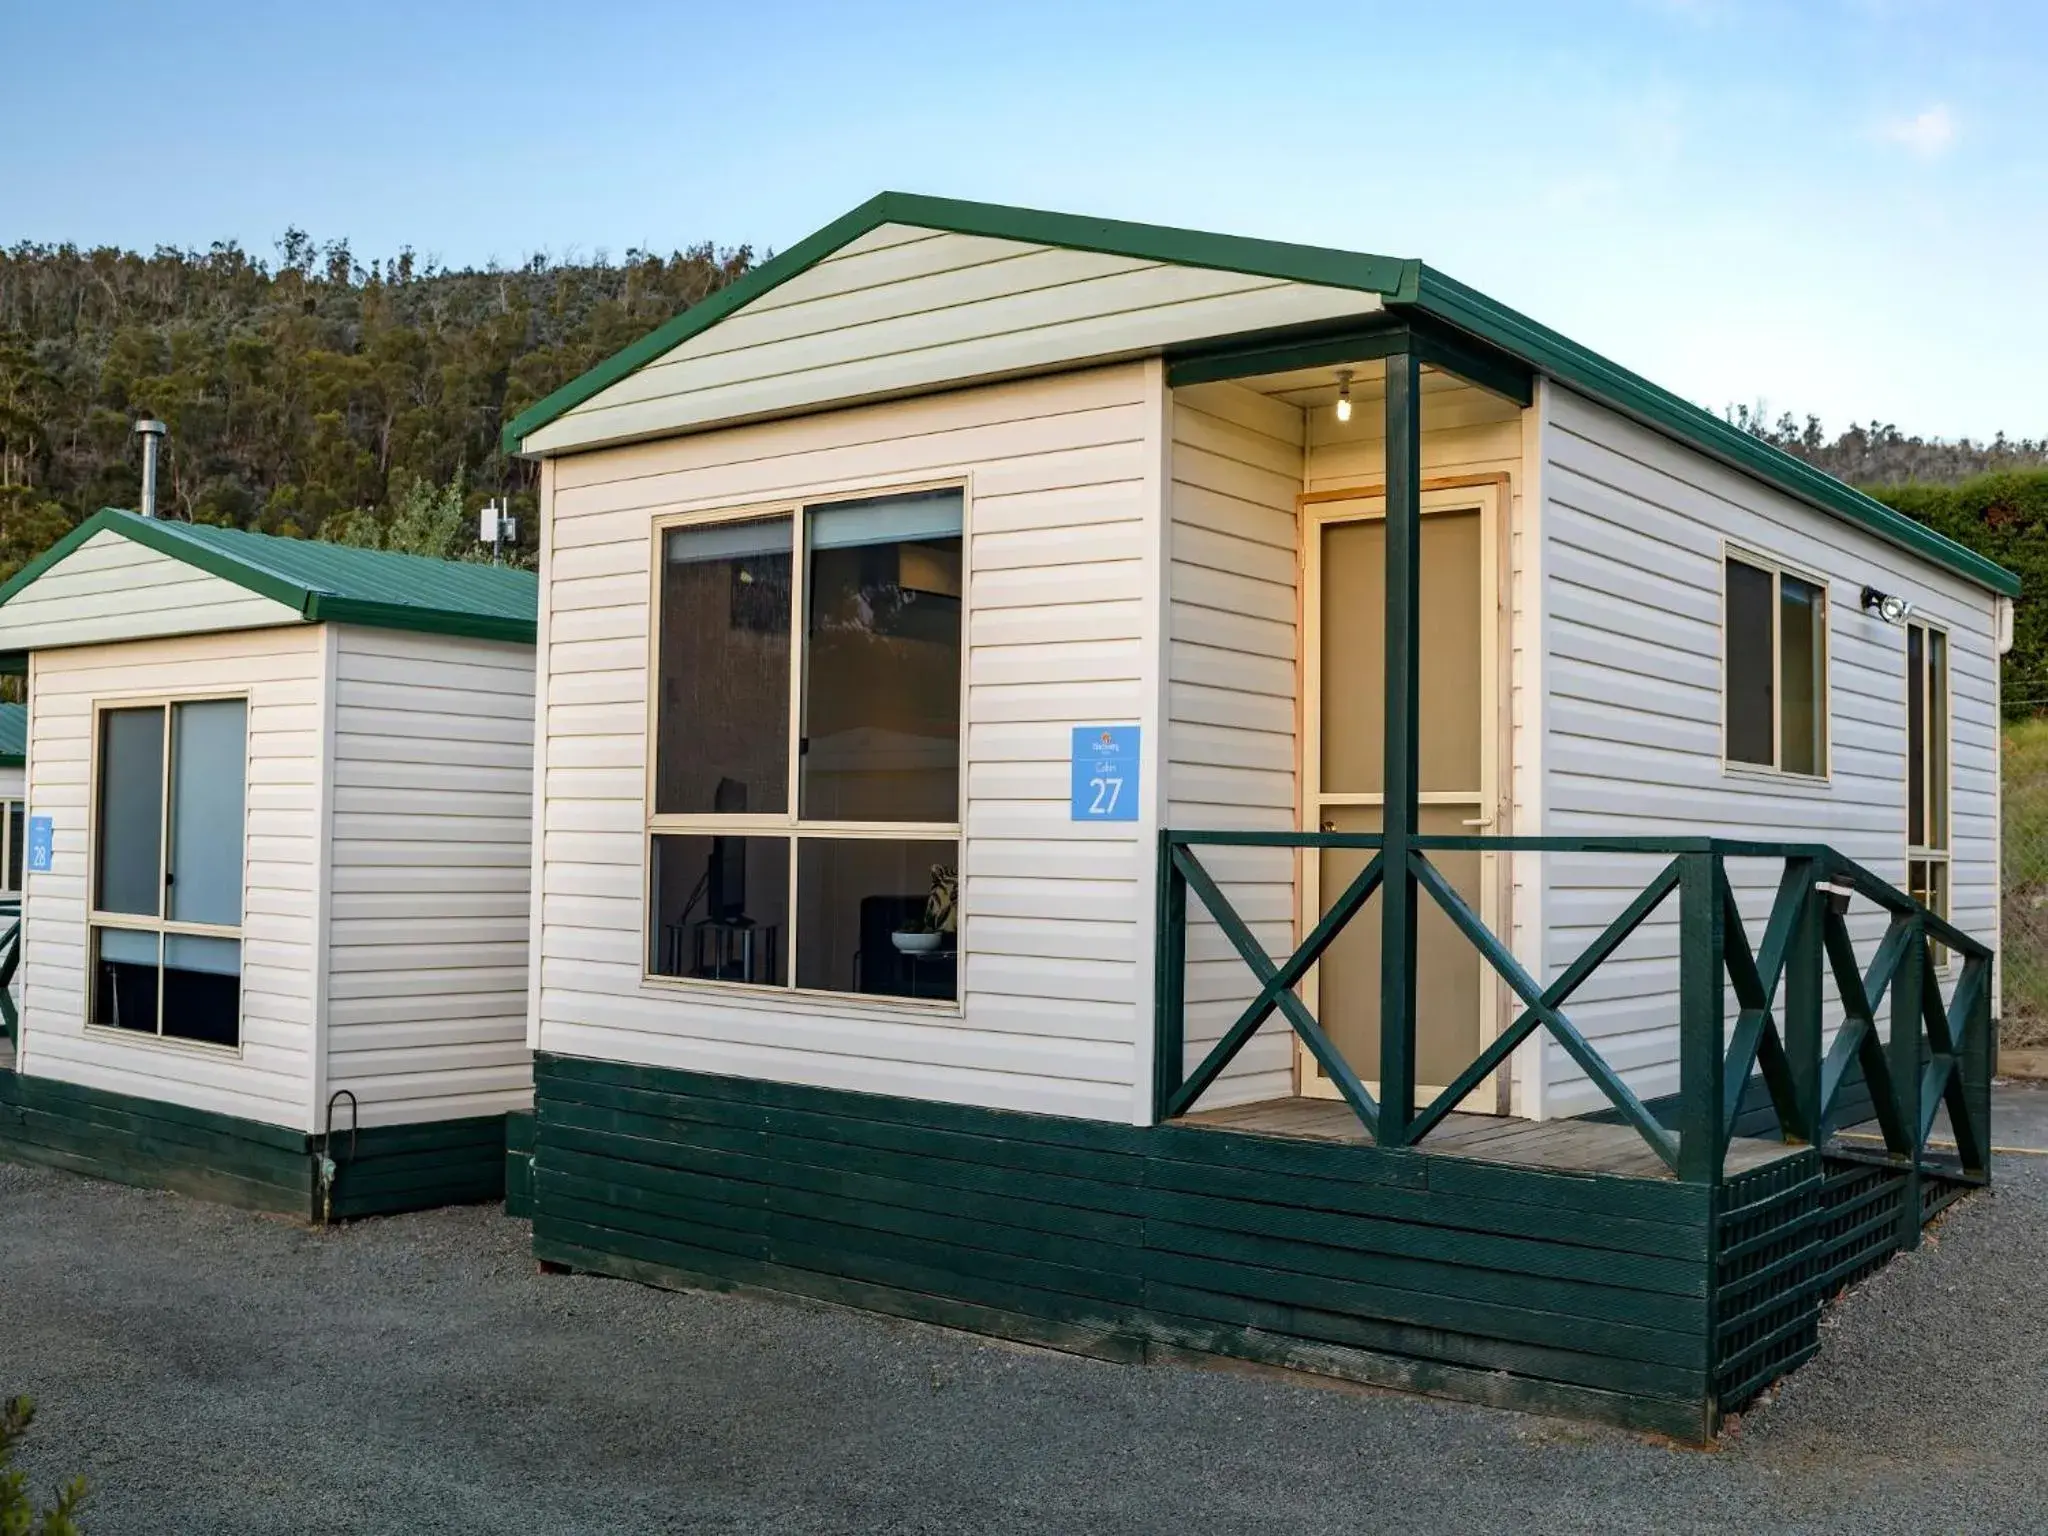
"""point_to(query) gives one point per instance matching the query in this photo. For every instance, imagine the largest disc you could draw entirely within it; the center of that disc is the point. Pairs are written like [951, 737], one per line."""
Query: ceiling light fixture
[1343, 394]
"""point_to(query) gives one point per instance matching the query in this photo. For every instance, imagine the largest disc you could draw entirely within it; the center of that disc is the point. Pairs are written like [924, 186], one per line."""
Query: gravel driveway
[214, 1371]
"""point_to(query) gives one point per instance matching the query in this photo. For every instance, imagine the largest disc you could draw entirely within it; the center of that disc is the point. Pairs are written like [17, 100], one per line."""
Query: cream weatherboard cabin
[275, 900]
[1178, 795]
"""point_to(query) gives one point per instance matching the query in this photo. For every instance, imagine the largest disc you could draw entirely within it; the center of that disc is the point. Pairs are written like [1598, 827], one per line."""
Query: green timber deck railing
[1931, 1054]
[10, 962]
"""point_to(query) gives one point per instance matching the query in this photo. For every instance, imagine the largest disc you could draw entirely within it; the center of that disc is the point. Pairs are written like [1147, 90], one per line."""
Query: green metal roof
[1406, 287]
[13, 735]
[335, 583]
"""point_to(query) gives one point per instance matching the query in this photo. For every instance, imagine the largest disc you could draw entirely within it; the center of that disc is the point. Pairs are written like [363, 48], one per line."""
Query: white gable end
[904, 309]
[112, 588]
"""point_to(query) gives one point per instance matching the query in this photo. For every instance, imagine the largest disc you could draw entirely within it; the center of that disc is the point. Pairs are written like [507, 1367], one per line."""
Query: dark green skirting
[519, 1163]
[1585, 1295]
[386, 1169]
[393, 1168]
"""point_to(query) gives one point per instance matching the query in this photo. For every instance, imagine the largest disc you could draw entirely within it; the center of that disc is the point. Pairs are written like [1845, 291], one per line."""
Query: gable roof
[13, 735]
[1403, 288]
[328, 582]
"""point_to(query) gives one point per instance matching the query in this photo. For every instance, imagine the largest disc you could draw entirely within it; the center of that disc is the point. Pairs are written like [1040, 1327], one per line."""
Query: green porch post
[1404, 687]
[1804, 959]
[1908, 1060]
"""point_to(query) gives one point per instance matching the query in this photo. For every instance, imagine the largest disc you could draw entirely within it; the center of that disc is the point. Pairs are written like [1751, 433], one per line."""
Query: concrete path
[212, 1371]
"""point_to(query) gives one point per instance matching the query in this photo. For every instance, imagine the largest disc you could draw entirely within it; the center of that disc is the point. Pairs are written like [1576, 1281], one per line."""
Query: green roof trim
[1406, 286]
[322, 582]
[13, 735]
[1109, 237]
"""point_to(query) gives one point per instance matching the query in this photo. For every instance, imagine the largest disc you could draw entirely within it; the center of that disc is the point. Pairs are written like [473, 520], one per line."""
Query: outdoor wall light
[1893, 610]
[1343, 394]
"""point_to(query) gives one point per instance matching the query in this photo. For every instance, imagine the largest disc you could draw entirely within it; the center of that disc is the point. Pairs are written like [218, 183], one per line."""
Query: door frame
[1491, 496]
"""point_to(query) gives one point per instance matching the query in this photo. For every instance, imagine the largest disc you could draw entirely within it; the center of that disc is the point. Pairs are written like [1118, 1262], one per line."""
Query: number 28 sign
[1105, 773]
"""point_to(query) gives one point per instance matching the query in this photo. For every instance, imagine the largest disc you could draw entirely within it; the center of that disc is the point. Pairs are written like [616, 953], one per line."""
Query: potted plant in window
[939, 922]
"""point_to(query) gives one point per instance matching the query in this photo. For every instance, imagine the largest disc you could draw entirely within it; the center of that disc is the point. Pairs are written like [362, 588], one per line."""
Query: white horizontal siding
[1233, 678]
[282, 672]
[431, 845]
[904, 309]
[1634, 526]
[1054, 975]
[111, 588]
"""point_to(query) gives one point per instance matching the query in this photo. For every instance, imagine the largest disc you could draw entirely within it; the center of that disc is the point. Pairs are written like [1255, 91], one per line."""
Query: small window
[167, 870]
[1774, 669]
[1927, 751]
[13, 832]
[804, 824]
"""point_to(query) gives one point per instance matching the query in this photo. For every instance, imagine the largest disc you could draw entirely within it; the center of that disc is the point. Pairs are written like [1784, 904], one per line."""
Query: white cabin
[284, 788]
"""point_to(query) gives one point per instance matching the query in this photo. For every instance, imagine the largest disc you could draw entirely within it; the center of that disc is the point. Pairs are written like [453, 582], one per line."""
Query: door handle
[1477, 821]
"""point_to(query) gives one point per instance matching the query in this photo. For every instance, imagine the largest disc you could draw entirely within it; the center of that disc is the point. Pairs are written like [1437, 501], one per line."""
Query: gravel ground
[214, 1371]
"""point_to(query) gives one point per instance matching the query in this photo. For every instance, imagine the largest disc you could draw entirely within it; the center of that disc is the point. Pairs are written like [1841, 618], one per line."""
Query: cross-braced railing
[10, 962]
[1933, 1055]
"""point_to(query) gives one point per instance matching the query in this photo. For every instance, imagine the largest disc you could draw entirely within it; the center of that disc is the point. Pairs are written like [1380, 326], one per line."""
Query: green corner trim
[502, 603]
[1407, 286]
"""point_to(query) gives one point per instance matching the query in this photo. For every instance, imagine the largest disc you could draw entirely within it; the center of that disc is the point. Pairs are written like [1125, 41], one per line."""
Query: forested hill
[326, 396]
[314, 394]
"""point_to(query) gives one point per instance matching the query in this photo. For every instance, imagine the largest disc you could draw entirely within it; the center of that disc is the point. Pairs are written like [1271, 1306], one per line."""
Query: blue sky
[1836, 205]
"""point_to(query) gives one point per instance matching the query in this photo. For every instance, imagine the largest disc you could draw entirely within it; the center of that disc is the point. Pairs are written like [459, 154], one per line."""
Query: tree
[18, 1513]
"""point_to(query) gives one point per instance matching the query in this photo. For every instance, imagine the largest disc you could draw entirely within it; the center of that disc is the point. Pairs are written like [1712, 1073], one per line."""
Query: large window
[1927, 800]
[167, 869]
[1774, 668]
[804, 809]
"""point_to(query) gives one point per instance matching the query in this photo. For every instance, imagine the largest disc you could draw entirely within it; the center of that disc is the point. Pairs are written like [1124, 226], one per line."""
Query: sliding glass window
[804, 807]
[1927, 753]
[13, 836]
[167, 875]
[1774, 668]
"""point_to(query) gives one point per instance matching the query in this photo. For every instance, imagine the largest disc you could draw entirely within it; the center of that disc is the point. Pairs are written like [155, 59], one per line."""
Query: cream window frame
[1927, 850]
[788, 824]
[1778, 570]
[8, 891]
[161, 926]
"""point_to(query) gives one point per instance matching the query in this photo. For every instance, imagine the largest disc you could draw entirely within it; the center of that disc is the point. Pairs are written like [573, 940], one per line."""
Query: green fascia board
[1406, 286]
[311, 578]
[1383, 275]
[1565, 360]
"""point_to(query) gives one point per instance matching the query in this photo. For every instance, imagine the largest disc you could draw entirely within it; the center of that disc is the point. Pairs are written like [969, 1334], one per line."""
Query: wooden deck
[1572, 1146]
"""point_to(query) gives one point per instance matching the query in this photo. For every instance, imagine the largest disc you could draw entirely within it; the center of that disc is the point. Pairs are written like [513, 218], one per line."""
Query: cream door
[1461, 660]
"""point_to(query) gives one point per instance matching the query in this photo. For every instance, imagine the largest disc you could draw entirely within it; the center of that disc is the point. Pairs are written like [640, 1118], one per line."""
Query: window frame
[160, 925]
[12, 892]
[789, 824]
[1778, 569]
[1927, 851]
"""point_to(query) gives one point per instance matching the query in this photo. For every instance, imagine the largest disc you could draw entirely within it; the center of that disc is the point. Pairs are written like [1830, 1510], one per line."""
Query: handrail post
[1802, 993]
[1907, 1058]
[1169, 1031]
[1978, 1053]
[1702, 1017]
[1400, 781]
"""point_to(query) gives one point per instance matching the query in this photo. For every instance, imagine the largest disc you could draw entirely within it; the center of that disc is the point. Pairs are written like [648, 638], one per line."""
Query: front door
[1456, 997]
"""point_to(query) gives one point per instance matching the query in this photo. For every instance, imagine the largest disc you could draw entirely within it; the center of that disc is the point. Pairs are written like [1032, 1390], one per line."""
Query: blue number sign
[40, 842]
[1105, 773]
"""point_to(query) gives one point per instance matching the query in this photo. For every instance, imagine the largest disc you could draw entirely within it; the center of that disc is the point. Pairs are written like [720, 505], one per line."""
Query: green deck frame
[1652, 1304]
[130, 1140]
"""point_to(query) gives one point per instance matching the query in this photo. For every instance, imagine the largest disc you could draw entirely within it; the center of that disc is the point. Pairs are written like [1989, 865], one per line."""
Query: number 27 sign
[1105, 773]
